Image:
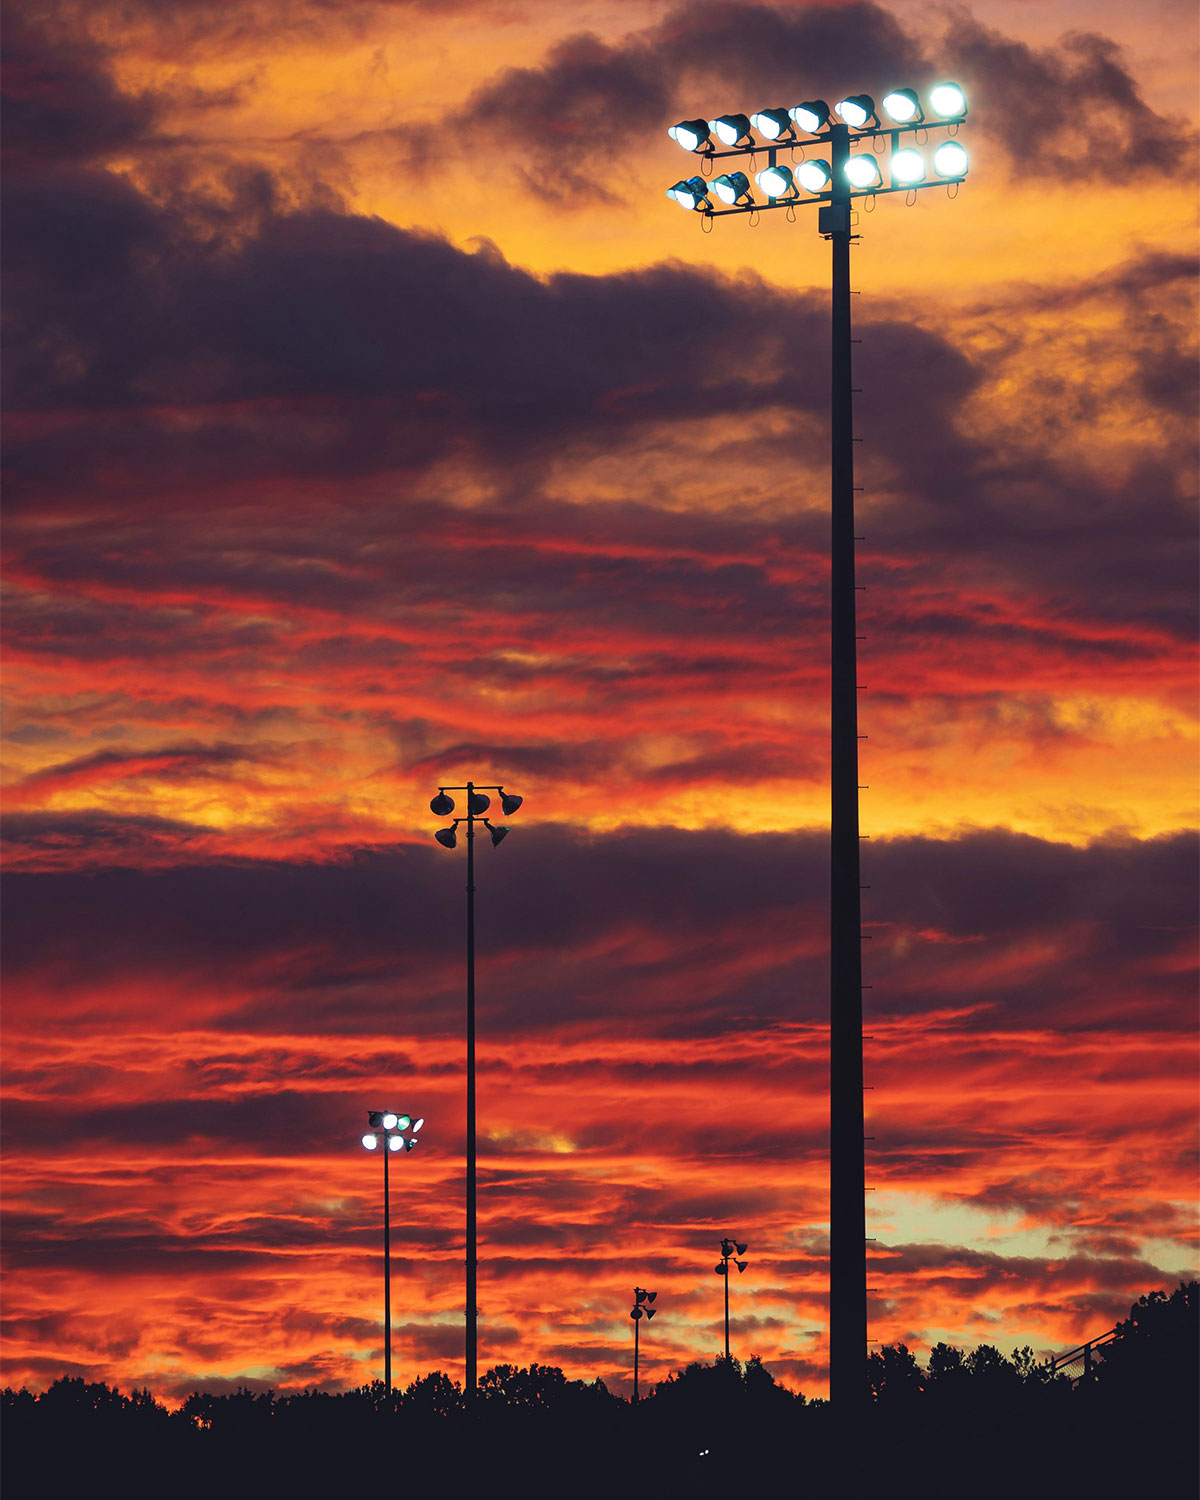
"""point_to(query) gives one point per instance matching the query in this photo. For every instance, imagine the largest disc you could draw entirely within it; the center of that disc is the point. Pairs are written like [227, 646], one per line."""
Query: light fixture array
[811, 124]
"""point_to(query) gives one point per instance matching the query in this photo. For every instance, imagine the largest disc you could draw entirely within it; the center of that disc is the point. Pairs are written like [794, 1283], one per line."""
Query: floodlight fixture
[395, 1142]
[721, 1268]
[947, 101]
[375, 1119]
[418, 1125]
[857, 110]
[692, 135]
[731, 130]
[441, 804]
[370, 1141]
[741, 1249]
[950, 160]
[691, 192]
[650, 1296]
[777, 182]
[447, 837]
[773, 124]
[811, 116]
[509, 802]
[908, 166]
[814, 176]
[388, 1120]
[863, 170]
[478, 802]
[732, 187]
[741, 1264]
[497, 833]
[903, 106]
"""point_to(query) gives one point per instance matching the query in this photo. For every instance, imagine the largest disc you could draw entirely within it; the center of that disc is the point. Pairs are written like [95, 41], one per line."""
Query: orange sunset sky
[375, 421]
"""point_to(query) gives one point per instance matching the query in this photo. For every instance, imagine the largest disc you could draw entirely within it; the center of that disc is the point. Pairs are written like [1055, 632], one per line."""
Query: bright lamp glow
[370, 1141]
[389, 1121]
[771, 123]
[418, 1125]
[863, 170]
[811, 116]
[691, 193]
[395, 1142]
[692, 135]
[903, 105]
[776, 182]
[950, 160]
[731, 129]
[947, 100]
[856, 110]
[732, 186]
[908, 166]
[814, 176]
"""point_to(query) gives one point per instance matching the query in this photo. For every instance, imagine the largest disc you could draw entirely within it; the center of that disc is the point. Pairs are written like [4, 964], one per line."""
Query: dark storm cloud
[589, 98]
[386, 919]
[58, 99]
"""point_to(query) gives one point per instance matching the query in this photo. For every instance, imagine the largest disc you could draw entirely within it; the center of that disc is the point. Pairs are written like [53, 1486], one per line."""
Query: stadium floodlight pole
[478, 803]
[729, 1248]
[640, 1310]
[832, 182]
[396, 1132]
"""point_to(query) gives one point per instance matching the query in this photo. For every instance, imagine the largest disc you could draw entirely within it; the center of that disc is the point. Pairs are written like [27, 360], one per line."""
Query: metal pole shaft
[847, 1214]
[472, 1373]
[637, 1323]
[726, 1309]
[387, 1272]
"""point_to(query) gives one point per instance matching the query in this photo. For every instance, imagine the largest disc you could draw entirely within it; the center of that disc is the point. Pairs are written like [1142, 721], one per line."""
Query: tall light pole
[394, 1132]
[442, 805]
[730, 1249]
[832, 181]
[637, 1312]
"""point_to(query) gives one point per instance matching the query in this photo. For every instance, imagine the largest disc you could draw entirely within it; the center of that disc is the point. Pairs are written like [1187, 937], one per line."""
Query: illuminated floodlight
[814, 176]
[401, 1122]
[389, 1121]
[811, 116]
[777, 182]
[691, 193]
[370, 1141]
[395, 1142]
[447, 837]
[732, 187]
[408, 1145]
[863, 171]
[857, 110]
[772, 124]
[908, 166]
[692, 135]
[947, 100]
[903, 106]
[950, 160]
[731, 129]
[418, 1125]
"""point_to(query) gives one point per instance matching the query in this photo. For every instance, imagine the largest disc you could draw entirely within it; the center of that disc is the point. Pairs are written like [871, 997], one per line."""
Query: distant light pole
[832, 181]
[729, 1250]
[390, 1128]
[637, 1313]
[442, 805]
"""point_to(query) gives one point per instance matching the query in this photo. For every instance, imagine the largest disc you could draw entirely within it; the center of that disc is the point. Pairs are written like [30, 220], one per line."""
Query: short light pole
[730, 1250]
[442, 805]
[640, 1310]
[832, 177]
[394, 1132]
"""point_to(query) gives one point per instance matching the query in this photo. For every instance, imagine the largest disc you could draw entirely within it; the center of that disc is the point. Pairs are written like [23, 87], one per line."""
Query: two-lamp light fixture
[809, 124]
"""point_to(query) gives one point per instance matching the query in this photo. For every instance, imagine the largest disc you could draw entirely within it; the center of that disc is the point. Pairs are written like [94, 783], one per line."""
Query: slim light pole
[442, 805]
[639, 1311]
[832, 181]
[730, 1249]
[389, 1130]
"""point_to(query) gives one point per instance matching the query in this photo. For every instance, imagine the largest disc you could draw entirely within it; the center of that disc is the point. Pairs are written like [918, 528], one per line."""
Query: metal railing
[1085, 1357]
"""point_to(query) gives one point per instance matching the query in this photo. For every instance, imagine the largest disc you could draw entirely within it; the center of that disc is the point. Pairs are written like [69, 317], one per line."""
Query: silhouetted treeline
[981, 1423]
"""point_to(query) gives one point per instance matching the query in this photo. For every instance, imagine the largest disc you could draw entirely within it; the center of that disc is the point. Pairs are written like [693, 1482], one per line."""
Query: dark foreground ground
[979, 1426]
